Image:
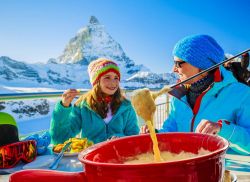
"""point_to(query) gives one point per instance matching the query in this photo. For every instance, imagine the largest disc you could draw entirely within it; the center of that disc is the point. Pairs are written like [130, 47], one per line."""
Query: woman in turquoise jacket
[101, 114]
[213, 103]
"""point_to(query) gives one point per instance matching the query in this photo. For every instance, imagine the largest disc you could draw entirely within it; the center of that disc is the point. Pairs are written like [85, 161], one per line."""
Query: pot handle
[39, 175]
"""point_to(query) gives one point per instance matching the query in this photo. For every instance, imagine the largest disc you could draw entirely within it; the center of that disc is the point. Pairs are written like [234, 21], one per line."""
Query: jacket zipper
[197, 107]
[106, 127]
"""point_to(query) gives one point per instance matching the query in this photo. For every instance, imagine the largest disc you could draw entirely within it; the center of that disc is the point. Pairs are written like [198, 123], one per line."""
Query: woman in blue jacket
[100, 114]
[213, 103]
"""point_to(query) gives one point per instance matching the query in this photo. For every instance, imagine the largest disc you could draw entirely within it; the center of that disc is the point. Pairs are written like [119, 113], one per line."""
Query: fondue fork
[55, 163]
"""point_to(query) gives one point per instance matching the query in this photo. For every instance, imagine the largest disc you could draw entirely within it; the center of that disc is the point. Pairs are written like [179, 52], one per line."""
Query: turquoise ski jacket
[67, 122]
[226, 100]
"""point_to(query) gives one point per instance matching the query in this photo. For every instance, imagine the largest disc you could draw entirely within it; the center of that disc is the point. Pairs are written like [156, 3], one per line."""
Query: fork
[55, 163]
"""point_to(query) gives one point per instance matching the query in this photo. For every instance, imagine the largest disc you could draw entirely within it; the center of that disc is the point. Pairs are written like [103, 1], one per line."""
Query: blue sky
[36, 30]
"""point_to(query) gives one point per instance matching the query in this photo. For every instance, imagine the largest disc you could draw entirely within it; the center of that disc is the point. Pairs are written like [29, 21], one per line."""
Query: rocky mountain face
[11, 70]
[14, 72]
[26, 109]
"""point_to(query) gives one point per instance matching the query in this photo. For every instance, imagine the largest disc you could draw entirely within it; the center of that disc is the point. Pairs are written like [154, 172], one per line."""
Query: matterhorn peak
[93, 20]
[92, 42]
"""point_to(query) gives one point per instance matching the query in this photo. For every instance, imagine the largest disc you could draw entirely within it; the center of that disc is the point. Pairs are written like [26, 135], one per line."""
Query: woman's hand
[68, 96]
[208, 127]
[144, 129]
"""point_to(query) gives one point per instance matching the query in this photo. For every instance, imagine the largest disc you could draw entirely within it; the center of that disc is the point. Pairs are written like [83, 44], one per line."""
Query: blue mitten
[47, 138]
[42, 142]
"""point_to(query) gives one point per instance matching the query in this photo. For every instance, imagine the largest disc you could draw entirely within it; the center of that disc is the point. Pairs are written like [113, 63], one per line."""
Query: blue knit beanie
[201, 51]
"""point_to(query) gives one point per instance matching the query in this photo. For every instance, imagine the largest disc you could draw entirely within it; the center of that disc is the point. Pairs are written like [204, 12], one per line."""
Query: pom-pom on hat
[100, 67]
[201, 51]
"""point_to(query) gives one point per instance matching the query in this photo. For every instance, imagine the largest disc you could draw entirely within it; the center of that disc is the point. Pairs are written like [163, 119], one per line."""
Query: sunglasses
[178, 64]
[11, 154]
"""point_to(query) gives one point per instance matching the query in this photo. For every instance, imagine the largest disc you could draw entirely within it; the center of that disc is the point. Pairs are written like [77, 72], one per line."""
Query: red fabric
[196, 109]
[106, 99]
[40, 175]
[220, 123]
[217, 75]
[245, 54]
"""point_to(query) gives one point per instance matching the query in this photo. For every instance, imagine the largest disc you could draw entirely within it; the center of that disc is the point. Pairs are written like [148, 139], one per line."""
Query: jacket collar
[227, 79]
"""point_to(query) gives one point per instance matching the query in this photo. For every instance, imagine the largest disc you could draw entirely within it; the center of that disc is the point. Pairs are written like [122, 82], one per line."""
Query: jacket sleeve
[131, 127]
[65, 123]
[169, 124]
[238, 134]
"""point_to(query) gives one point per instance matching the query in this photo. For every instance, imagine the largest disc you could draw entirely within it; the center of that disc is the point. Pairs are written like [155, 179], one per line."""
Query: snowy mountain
[15, 73]
[92, 42]
[69, 70]
[150, 79]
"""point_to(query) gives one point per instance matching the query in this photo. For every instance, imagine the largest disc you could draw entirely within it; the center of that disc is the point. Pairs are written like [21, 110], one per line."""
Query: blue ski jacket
[67, 122]
[226, 100]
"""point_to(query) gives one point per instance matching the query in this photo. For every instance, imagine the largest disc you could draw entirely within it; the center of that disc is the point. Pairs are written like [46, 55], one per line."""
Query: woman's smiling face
[109, 83]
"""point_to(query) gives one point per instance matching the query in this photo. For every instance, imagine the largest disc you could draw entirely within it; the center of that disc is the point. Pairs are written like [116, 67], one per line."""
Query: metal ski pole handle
[209, 69]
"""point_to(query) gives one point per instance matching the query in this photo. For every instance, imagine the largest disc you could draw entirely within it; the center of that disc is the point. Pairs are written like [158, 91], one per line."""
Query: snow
[9, 89]
[4, 89]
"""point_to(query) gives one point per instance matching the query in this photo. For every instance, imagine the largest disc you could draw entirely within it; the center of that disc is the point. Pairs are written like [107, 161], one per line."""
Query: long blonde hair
[95, 100]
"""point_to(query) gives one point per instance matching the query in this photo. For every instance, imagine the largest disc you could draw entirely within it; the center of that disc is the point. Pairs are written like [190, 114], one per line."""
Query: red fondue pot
[104, 161]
